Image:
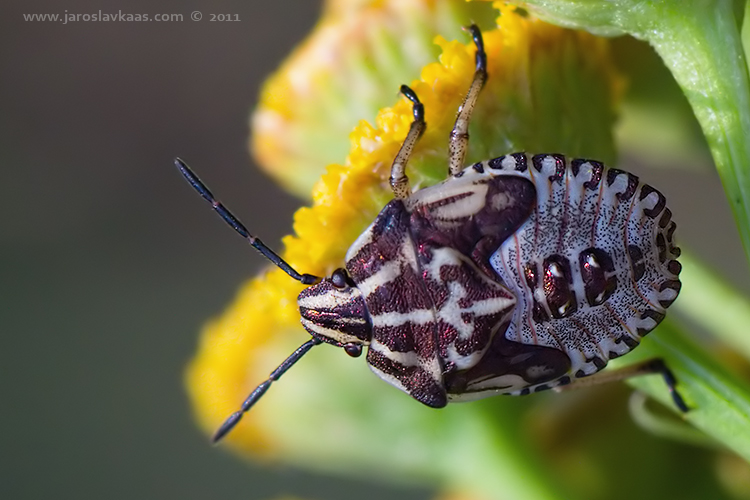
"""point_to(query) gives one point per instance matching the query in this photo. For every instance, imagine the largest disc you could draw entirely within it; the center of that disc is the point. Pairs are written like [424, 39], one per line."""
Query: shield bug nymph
[514, 275]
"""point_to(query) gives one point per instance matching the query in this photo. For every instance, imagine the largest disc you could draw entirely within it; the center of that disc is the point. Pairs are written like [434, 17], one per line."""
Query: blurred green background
[110, 263]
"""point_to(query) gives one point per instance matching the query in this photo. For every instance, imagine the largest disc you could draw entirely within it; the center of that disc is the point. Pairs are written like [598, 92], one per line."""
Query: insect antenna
[259, 391]
[229, 218]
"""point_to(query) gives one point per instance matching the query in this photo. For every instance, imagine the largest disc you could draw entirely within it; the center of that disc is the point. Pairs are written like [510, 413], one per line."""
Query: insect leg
[259, 391]
[459, 140]
[229, 218]
[399, 180]
[647, 367]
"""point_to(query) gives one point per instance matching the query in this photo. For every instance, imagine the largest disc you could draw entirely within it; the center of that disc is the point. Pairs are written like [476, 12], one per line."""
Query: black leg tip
[481, 56]
[671, 381]
[476, 35]
[418, 108]
[679, 402]
[409, 94]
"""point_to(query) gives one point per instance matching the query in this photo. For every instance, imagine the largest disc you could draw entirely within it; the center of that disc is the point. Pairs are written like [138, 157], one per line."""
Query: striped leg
[647, 367]
[459, 141]
[399, 180]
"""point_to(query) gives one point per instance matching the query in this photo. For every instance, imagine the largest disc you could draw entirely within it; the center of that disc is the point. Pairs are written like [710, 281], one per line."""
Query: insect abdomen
[593, 267]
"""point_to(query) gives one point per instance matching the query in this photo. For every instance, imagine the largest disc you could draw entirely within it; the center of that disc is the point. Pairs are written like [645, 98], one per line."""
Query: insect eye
[339, 278]
[353, 350]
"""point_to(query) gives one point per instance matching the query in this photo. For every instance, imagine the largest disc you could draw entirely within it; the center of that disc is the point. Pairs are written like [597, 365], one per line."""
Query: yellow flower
[372, 46]
[549, 89]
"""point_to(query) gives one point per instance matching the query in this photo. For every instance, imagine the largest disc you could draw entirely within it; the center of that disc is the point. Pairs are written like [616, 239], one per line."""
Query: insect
[514, 275]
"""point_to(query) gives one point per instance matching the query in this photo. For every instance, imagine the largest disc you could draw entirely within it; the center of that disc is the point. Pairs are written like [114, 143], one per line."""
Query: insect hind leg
[399, 180]
[459, 139]
[650, 366]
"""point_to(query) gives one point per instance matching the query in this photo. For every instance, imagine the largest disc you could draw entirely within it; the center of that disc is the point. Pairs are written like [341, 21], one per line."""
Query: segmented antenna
[305, 279]
[229, 218]
[259, 391]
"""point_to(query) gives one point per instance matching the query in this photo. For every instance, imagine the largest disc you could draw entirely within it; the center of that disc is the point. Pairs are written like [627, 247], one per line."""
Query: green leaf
[746, 30]
[714, 305]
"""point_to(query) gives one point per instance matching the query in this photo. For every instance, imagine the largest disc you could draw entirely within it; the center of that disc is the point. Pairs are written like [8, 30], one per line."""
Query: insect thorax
[517, 274]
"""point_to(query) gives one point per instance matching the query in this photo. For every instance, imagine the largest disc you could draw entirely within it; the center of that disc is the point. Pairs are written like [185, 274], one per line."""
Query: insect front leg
[459, 141]
[399, 180]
